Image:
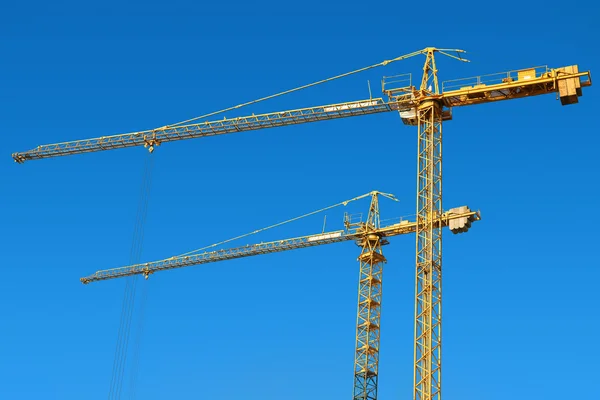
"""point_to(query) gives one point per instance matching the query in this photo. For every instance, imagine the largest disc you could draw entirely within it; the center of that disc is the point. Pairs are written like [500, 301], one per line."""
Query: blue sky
[520, 310]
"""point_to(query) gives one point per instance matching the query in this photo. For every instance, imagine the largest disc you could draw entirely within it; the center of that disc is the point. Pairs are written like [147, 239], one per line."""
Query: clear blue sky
[520, 304]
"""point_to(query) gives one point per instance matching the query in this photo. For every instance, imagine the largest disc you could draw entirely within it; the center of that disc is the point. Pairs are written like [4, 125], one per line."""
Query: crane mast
[368, 320]
[428, 285]
[426, 107]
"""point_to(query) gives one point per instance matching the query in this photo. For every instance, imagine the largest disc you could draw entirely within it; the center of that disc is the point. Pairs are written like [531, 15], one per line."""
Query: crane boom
[154, 137]
[146, 269]
[460, 92]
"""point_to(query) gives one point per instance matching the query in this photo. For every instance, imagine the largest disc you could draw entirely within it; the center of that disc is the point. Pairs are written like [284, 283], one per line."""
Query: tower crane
[457, 219]
[425, 105]
[370, 235]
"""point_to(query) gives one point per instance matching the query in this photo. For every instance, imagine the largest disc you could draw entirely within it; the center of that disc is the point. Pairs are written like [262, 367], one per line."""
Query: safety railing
[496, 78]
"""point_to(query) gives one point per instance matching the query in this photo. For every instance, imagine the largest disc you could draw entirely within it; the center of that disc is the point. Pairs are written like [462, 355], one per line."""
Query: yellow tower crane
[426, 107]
[370, 235]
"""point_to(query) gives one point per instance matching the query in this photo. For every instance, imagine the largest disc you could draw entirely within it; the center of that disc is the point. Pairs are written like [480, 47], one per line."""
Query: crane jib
[461, 216]
[220, 255]
[566, 81]
[155, 137]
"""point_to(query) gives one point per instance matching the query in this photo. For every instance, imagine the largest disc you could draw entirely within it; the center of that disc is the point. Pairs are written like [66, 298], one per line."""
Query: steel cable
[356, 71]
[128, 305]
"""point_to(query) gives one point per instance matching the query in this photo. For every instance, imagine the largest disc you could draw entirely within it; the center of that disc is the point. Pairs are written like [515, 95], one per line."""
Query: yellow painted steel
[426, 107]
[155, 137]
[428, 285]
[402, 99]
[516, 84]
[368, 319]
[369, 235]
[428, 277]
[403, 227]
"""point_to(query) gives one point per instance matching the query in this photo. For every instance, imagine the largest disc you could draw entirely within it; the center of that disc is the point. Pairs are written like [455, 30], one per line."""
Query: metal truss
[400, 99]
[428, 305]
[221, 255]
[426, 107]
[401, 228]
[155, 137]
[366, 358]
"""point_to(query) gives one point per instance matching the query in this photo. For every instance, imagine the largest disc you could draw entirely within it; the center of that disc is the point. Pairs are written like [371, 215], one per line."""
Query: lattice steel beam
[155, 137]
[368, 320]
[428, 305]
[402, 228]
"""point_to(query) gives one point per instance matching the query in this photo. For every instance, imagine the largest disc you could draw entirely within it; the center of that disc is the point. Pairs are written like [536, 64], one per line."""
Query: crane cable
[130, 287]
[142, 304]
[128, 305]
[136, 252]
[380, 64]
[343, 203]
